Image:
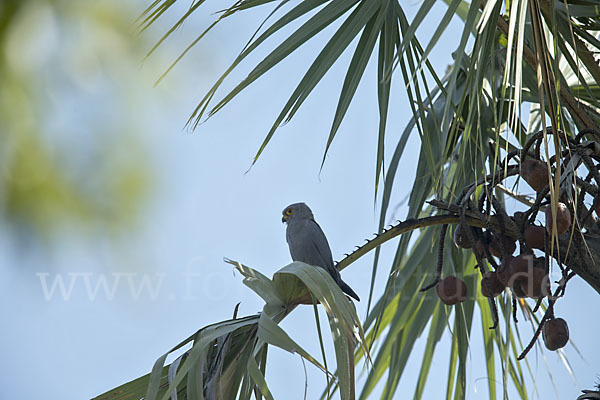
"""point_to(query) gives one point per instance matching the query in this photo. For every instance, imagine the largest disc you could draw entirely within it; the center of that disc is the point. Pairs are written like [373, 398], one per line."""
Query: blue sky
[204, 207]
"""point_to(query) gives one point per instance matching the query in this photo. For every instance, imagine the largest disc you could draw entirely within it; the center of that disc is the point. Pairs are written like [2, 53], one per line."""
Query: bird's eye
[288, 211]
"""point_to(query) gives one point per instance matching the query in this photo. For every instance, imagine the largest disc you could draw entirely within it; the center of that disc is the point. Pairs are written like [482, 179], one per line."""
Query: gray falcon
[308, 243]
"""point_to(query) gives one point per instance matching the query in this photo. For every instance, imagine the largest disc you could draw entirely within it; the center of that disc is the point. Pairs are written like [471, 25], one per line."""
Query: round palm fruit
[460, 237]
[534, 237]
[517, 270]
[536, 284]
[452, 290]
[509, 245]
[503, 272]
[555, 333]
[491, 285]
[563, 218]
[535, 174]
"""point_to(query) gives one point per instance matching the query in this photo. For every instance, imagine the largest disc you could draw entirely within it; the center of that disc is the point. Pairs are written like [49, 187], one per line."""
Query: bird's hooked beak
[284, 218]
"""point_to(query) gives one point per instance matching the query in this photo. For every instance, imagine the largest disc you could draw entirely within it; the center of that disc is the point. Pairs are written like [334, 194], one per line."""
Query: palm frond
[228, 359]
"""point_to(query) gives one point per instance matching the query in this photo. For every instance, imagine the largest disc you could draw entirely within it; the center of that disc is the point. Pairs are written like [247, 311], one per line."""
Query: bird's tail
[348, 290]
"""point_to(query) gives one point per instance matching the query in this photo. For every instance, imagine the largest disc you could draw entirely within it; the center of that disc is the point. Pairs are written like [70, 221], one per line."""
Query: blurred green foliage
[70, 152]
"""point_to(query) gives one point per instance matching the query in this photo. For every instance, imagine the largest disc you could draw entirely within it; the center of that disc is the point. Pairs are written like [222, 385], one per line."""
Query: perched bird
[308, 243]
